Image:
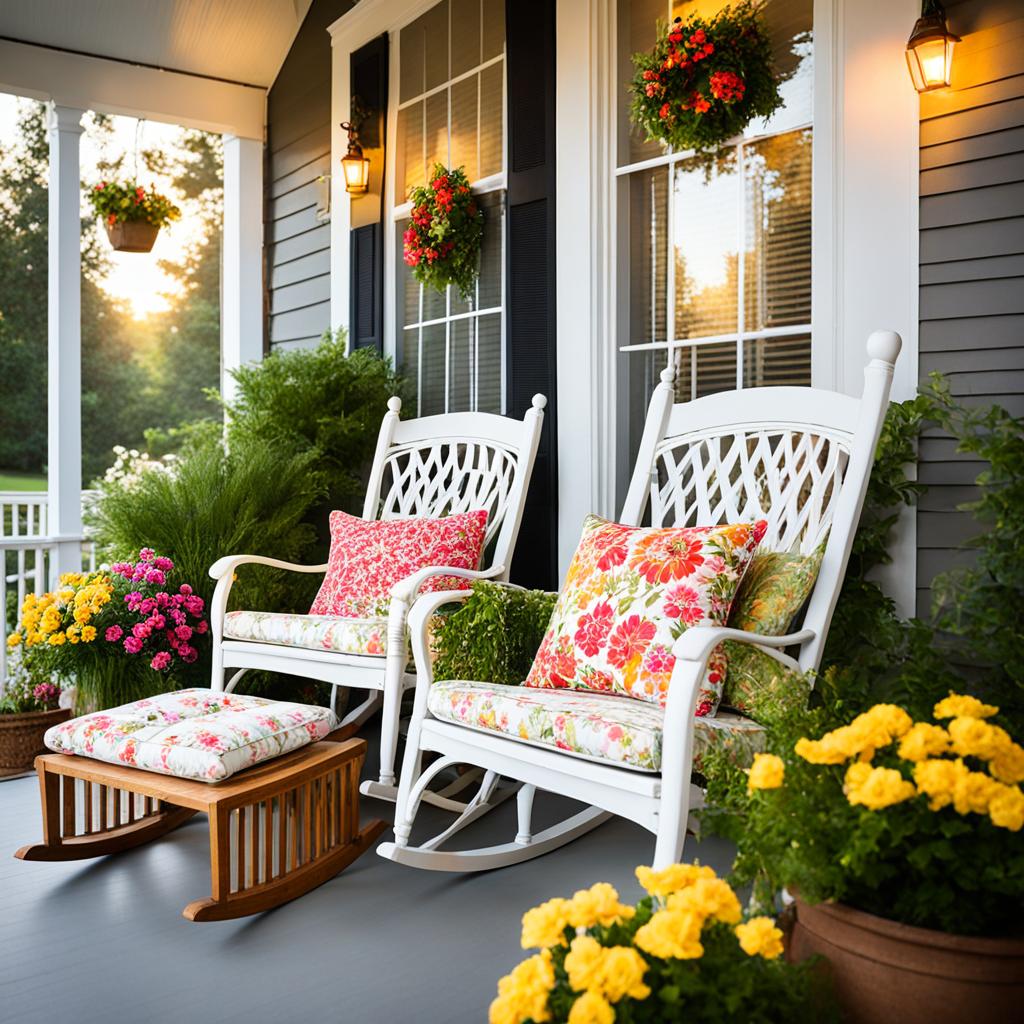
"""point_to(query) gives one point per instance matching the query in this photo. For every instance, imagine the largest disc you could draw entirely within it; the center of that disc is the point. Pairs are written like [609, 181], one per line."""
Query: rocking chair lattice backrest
[439, 465]
[798, 457]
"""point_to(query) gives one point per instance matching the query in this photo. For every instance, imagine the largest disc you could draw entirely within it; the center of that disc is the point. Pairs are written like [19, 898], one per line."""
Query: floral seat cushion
[596, 726]
[194, 734]
[313, 632]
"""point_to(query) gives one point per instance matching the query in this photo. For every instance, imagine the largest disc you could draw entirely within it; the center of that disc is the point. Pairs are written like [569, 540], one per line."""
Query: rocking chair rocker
[799, 458]
[432, 466]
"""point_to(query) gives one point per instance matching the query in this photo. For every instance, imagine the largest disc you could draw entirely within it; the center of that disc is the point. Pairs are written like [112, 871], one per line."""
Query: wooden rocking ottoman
[276, 830]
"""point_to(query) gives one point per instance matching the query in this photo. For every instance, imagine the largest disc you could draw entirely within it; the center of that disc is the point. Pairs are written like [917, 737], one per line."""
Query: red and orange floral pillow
[368, 557]
[630, 593]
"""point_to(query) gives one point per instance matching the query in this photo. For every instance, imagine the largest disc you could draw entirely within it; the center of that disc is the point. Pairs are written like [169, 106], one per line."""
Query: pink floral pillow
[368, 557]
[630, 593]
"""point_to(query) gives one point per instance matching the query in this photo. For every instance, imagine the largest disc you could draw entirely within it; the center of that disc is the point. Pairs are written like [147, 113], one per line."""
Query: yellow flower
[590, 1008]
[523, 994]
[56, 640]
[766, 772]
[923, 741]
[14, 639]
[875, 728]
[72, 634]
[612, 972]
[937, 778]
[88, 634]
[876, 788]
[597, 905]
[708, 898]
[583, 963]
[671, 879]
[1006, 809]
[760, 937]
[544, 925]
[1008, 764]
[974, 738]
[671, 934]
[958, 705]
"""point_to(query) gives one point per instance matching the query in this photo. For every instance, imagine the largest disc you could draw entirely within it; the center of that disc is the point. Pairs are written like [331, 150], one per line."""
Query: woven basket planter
[132, 235]
[21, 737]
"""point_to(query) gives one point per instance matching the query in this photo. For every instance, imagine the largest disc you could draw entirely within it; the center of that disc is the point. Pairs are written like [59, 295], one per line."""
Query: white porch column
[64, 329]
[241, 316]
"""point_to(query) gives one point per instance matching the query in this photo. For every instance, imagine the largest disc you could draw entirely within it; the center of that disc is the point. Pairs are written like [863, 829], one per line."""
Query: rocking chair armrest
[419, 627]
[697, 643]
[407, 589]
[229, 563]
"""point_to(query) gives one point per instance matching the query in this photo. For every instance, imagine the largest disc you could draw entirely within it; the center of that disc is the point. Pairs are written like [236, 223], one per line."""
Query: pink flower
[162, 599]
[141, 630]
[155, 576]
[201, 627]
[160, 661]
[195, 606]
[113, 634]
[683, 603]
[177, 616]
[183, 632]
[132, 644]
[188, 654]
[163, 563]
[148, 605]
[184, 589]
[146, 555]
[156, 622]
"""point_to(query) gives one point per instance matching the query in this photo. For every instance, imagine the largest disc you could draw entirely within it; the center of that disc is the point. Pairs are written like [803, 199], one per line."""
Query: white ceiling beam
[113, 87]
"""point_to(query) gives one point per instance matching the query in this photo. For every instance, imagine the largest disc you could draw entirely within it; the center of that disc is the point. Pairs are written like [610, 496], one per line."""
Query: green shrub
[251, 499]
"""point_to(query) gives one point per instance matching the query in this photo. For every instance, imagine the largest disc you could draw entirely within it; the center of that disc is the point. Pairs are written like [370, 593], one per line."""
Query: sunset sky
[134, 277]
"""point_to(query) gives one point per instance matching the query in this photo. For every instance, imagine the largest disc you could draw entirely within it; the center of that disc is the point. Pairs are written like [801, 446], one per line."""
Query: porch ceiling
[239, 40]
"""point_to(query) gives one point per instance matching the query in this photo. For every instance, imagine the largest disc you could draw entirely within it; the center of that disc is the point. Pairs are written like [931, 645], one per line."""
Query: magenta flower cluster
[168, 623]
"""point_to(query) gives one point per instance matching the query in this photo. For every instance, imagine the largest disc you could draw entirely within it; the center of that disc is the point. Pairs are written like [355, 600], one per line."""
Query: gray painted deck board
[101, 941]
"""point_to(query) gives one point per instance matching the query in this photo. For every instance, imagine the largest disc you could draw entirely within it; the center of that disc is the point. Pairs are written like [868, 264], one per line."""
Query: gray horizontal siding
[299, 152]
[972, 261]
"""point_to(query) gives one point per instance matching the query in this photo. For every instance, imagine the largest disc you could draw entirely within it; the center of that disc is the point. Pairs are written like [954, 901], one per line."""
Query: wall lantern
[354, 165]
[930, 48]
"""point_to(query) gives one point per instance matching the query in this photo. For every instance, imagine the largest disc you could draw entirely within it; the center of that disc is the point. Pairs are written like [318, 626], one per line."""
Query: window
[717, 264]
[451, 74]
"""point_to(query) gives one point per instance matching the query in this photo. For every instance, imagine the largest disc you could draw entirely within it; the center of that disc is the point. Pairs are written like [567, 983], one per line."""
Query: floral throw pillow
[368, 557]
[774, 589]
[629, 594]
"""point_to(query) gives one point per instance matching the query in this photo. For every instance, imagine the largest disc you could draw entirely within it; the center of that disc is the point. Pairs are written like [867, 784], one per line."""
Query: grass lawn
[11, 480]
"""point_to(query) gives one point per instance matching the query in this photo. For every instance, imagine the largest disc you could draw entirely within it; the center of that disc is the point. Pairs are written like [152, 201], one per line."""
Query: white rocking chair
[798, 457]
[432, 466]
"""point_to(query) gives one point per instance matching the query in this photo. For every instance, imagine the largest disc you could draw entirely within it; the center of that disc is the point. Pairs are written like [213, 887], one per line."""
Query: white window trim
[864, 231]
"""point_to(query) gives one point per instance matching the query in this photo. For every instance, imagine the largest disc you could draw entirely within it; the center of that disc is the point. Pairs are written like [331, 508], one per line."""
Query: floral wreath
[442, 244]
[705, 80]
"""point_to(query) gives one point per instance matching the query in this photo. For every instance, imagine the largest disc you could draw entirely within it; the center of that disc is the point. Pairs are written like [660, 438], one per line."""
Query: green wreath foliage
[706, 79]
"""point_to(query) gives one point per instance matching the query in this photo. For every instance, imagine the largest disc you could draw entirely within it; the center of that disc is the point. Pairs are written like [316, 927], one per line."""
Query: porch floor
[104, 940]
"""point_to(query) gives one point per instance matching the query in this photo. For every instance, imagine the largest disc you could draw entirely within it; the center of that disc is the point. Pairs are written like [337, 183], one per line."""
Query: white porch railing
[27, 560]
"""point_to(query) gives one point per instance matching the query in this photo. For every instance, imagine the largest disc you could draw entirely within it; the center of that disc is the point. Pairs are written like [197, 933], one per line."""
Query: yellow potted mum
[903, 842]
[683, 953]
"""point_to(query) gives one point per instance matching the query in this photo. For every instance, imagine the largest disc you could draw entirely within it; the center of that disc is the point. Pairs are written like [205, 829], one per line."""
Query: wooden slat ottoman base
[276, 830]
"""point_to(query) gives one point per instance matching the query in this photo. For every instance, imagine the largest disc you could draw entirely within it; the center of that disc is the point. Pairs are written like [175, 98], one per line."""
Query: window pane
[433, 370]
[789, 26]
[491, 119]
[408, 364]
[407, 288]
[460, 365]
[435, 304]
[465, 36]
[778, 259]
[636, 32]
[488, 363]
[704, 370]
[775, 361]
[464, 126]
[493, 28]
[648, 255]
[436, 130]
[489, 286]
[410, 72]
[409, 172]
[435, 45]
[705, 235]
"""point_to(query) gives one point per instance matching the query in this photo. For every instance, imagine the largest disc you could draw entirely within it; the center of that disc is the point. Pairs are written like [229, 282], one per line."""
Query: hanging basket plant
[132, 216]
[442, 244]
[706, 79]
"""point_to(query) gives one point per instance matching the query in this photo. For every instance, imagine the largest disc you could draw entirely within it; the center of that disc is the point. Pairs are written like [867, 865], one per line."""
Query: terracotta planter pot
[885, 971]
[21, 737]
[132, 235]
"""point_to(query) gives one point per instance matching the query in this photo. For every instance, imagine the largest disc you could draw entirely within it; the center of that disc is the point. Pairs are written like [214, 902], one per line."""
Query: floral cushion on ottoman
[368, 557]
[596, 726]
[629, 594]
[193, 734]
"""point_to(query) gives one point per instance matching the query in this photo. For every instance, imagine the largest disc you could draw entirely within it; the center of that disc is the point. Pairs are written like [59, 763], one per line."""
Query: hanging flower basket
[442, 244]
[705, 80]
[132, 216]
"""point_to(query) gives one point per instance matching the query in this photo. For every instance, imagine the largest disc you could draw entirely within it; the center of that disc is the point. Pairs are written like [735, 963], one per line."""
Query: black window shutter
[530, 269]
[369, 78]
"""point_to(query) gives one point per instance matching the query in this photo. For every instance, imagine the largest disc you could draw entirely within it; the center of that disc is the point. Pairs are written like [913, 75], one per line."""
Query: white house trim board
[241, 331]
[64, 326]
[112, 87]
